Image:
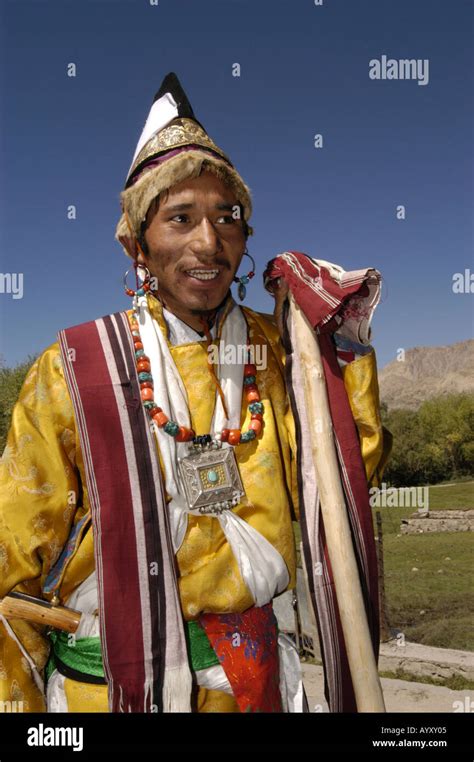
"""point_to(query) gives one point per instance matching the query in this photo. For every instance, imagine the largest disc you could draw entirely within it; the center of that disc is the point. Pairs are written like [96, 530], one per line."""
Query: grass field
[435, 604]
[458, 495]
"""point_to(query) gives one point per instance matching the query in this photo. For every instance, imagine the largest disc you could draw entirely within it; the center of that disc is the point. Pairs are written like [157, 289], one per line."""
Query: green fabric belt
[85, 654]
[202, 653]
[81, 654]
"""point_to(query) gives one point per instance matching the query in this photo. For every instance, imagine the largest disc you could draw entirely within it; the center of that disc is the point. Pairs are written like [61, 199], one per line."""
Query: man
[153, 490]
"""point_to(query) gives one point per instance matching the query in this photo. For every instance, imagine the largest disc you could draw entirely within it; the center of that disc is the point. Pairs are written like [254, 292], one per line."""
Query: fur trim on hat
[136, 200]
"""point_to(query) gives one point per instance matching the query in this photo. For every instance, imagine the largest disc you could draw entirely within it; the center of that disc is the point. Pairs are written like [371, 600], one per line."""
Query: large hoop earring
[140, 289]
[244, 279]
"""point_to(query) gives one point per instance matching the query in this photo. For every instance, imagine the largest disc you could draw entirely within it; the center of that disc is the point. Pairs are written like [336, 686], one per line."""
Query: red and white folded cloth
[339, 306]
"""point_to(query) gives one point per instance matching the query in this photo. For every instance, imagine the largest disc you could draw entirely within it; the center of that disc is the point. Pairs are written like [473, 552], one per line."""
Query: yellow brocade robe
[44, 494]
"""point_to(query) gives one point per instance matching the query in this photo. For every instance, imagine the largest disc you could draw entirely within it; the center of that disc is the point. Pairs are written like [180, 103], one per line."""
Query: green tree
[11, 381]
[431, 444]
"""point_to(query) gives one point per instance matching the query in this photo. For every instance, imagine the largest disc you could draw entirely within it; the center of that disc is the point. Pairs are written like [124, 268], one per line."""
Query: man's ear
[129, 244]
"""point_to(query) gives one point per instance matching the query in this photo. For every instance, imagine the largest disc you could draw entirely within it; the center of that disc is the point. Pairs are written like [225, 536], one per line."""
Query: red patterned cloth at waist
[247, 647]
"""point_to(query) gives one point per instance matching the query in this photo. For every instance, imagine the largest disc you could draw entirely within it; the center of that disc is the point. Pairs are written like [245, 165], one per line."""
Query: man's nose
[205, 238]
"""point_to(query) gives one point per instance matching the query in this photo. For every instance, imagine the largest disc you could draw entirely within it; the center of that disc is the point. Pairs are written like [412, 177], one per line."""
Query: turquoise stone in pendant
[212, 476]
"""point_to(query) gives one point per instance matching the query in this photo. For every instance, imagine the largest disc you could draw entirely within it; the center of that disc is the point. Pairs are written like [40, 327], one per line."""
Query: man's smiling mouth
[199, 274]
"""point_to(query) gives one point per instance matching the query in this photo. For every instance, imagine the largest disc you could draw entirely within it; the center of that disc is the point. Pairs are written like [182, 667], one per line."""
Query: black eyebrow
[181, 207]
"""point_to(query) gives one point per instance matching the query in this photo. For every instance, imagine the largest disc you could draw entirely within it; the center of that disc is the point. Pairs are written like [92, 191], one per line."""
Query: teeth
[203, 274]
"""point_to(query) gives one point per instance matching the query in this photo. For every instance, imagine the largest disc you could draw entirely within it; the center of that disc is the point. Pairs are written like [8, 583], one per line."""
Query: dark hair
[152, 210]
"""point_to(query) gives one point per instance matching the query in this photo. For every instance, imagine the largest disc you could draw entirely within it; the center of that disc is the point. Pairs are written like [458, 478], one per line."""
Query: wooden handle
[41, 612]
[360, 652]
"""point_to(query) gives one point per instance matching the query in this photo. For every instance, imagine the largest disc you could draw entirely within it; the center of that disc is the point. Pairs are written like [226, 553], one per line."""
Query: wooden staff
[21, 606]
[362, 664]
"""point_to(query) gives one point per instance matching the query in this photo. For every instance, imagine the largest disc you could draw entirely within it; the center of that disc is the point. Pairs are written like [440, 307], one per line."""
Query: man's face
[194, 244]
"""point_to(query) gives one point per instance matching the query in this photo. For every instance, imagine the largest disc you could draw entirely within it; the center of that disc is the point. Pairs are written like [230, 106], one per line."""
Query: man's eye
[180, 217]
[227, 217]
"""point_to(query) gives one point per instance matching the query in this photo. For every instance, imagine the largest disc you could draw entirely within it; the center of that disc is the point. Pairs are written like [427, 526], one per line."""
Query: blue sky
[304, 70]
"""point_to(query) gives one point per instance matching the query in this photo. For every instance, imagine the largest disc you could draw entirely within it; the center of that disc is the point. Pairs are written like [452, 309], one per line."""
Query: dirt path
[400, 695]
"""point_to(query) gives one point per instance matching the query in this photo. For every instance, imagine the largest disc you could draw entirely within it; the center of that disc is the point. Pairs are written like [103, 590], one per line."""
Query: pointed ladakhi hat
[173, 147]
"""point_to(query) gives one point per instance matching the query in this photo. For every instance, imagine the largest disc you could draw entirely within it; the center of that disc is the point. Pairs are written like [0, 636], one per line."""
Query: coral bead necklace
[211, 479]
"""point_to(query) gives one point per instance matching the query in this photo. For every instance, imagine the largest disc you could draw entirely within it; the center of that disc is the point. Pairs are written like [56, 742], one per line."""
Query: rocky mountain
[427, 372]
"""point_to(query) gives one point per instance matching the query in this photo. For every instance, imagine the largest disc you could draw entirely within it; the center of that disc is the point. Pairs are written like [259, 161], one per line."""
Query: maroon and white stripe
[142, 631]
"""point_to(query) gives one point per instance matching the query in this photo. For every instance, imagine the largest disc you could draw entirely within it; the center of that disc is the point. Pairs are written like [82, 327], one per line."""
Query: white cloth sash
[261, 566]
